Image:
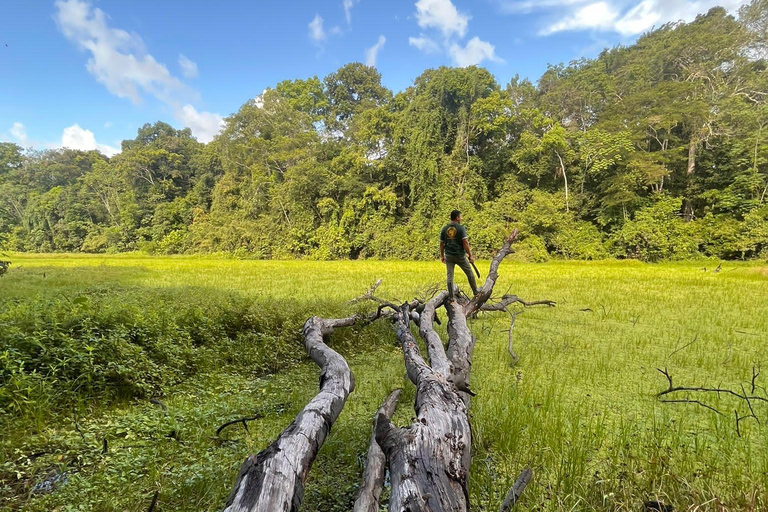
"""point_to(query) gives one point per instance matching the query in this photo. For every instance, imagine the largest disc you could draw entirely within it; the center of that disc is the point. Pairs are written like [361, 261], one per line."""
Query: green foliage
[340, 167]
[657, 232]
[221, 340]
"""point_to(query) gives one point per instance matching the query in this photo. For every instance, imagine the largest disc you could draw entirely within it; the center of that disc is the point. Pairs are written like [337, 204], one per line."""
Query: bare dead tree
[743, 396]
[429, 460]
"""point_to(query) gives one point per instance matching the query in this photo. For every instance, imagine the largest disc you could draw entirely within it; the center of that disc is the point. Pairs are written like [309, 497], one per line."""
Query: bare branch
[375, 463]
[517, 490]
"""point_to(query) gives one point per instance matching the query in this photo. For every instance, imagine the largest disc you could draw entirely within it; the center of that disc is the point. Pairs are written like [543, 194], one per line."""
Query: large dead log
[429, 460]
[274, 479]
[425, 458]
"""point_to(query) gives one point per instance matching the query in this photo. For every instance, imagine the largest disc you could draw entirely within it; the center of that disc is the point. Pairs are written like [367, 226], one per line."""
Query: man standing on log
[454, 250]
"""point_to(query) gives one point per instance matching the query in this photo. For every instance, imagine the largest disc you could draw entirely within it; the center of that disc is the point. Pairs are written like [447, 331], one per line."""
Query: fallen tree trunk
[274, 479]
[429, 460]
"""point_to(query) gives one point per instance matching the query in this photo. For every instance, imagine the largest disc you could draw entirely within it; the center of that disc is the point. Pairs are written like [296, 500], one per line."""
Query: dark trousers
[463, 263]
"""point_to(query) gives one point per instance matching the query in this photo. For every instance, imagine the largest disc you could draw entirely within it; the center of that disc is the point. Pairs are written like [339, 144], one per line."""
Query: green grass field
[579, 407]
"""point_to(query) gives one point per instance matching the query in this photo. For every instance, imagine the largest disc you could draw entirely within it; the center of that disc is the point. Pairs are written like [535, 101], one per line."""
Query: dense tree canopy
[656, 150]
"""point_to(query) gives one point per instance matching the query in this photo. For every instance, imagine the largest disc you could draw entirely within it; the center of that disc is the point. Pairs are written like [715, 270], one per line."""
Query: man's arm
[442, 251]
[465, 243]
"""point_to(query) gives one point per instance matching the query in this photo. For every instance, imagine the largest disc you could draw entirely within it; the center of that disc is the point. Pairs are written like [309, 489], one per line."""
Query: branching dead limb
[508, 300]
[375, 463]
[244, 421]
[743, 396]
[719, 391]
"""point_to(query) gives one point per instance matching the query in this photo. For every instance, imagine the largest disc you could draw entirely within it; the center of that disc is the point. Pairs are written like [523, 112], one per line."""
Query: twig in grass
[755, 375]
[510, 348]
[160, 404]
[687, 401]
[514, 493]
[695, 339]
[717, 390]
[239, 420]
[154, 502]
[77, 428]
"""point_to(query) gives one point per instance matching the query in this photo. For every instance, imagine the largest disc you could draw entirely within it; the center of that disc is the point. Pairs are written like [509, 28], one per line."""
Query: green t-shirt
[452, 236]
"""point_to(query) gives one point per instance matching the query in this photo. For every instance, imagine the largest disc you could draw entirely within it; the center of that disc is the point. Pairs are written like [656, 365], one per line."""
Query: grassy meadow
[90, 344]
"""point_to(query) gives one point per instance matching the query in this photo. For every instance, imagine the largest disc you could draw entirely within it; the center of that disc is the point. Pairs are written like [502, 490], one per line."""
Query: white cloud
[205, 125]
[622, 16]
[599, 15]
[348, 4]
[316, 31]
[424, 44]
[188, 67]
[441, 15]
[527, 6]
[475, 52]
[74, 137]
[372, 53]
[19, 134]
[119, 60]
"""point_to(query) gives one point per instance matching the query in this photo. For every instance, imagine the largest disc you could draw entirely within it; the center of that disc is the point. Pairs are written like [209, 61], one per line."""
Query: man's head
[456, 216]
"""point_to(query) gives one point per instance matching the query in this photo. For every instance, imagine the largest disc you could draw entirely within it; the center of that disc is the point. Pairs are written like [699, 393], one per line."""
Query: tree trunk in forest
[565, 179]
[692, 147]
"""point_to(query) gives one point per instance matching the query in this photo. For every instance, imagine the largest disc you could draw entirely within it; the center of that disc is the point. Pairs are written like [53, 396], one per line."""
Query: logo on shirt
[451, 232]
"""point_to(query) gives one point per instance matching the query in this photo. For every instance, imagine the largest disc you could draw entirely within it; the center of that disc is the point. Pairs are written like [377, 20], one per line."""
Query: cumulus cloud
[205, 125]
[316, 30]
[599, 15]
[75, 137]
[19, 134]
[188, 67]
[372, 53]
[473, 53]
[119, 60]
[424, 44]
[620, 16]
[526, 6]
[443, 16]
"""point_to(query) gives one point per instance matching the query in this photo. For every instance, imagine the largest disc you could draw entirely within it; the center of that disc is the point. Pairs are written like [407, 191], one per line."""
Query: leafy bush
[657, 232]
[123, 344]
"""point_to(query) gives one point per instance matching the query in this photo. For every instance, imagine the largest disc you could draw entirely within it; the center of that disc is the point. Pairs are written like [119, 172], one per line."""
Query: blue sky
[87, 73]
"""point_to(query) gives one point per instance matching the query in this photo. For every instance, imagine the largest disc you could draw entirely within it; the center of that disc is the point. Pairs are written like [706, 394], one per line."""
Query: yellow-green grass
[579, 406]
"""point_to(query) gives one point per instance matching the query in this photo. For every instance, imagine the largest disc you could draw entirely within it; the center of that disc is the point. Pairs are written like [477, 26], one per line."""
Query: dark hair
[455, 214]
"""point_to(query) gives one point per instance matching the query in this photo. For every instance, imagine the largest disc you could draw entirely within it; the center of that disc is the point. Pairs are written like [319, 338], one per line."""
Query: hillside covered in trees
[657, 150]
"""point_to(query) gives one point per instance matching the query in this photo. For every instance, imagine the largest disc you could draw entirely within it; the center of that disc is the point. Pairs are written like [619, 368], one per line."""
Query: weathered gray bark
[429, 460]
[375, 464]
[274, 479]
[425, 458]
